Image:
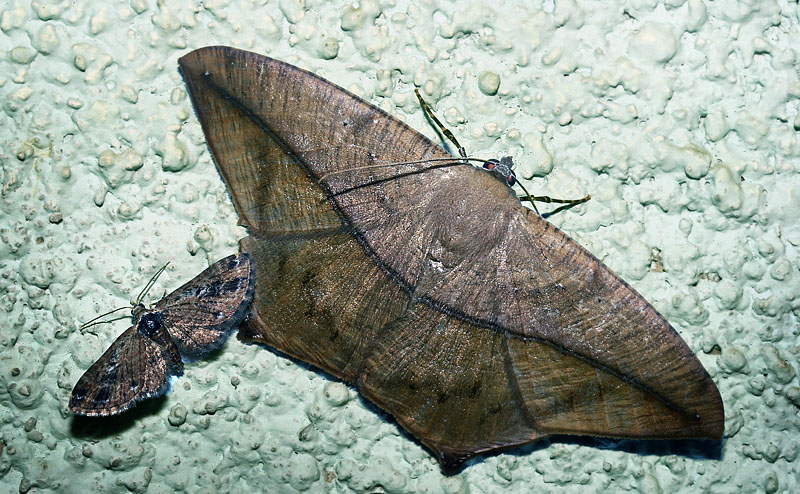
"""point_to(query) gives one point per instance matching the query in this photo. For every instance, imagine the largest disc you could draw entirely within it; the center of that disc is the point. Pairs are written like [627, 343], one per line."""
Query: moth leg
[567, 203]
[449, 135]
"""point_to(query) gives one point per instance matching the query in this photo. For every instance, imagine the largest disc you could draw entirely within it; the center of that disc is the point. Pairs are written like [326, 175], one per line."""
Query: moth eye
[511, 180]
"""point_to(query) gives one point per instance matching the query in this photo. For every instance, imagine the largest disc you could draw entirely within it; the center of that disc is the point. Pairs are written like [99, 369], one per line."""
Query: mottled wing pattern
[201, 314]
[136, 366]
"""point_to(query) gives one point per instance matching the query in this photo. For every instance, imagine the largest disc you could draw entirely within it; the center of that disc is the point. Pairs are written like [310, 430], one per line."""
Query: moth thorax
[150, 324]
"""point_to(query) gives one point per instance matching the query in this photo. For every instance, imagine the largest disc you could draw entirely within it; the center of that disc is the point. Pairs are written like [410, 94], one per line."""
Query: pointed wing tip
[714, 424]
[707, 428]
[193, 60]
[187, 61]
[711, 415]
[194, 54]
[191, 64]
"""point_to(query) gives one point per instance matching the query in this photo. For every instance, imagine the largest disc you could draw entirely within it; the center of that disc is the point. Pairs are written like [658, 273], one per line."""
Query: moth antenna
[94, 322]
[397, 163]
[150, 284]
[147, 287]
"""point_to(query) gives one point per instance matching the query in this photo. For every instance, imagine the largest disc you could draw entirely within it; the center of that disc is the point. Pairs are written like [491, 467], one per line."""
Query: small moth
[190, 322]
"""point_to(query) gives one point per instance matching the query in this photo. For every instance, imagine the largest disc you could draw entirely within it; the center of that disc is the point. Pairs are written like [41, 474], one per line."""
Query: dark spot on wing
[102, 397]
[233, 285]
[79, 393]
[210, 290]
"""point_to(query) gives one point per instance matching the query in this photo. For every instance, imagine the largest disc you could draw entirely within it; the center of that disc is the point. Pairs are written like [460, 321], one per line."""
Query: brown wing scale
[201, 314]
[473, 321]
[137, 366]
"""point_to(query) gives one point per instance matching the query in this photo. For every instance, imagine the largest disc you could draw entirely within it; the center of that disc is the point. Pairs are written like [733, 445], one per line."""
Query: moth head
[503, 169]
[137, 310]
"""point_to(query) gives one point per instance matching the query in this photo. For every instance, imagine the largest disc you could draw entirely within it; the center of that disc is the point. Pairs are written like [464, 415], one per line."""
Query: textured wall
[679, 117]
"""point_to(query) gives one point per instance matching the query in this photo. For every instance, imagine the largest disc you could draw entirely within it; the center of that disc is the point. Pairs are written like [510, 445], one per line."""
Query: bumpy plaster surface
[679, 117]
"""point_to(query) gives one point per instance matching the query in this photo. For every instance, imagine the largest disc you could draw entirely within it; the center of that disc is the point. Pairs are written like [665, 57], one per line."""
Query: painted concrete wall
[679, 117]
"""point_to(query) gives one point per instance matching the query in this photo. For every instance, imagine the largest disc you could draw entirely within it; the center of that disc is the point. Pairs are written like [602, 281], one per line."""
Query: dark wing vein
[409, 288]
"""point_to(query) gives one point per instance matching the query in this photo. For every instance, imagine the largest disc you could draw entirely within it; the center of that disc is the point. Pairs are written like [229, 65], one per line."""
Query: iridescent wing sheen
[201, 314]
[137, 366]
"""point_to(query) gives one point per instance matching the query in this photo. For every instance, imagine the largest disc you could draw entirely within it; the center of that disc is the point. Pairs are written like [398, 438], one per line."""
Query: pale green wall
[679, 117]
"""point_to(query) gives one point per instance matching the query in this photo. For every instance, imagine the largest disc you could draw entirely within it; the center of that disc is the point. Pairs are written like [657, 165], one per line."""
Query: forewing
[474, 322]
[289, 146]
[133, 369]
[201, 314]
